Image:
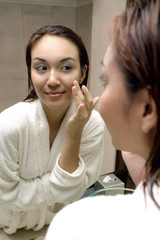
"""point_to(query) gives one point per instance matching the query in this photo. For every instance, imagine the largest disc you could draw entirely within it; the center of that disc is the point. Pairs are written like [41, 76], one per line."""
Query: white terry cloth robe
[119, 217]
[33, 187]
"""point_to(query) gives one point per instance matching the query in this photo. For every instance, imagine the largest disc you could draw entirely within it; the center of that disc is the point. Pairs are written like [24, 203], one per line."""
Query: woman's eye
[41, 68]
[66, 68]
[102, 80]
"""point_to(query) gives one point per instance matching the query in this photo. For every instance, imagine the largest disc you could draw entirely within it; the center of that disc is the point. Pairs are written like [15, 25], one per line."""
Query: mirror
[19, 19]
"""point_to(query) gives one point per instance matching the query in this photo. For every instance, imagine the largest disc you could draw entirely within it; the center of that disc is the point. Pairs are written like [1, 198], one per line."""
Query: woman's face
[116, 106]
[55, 64]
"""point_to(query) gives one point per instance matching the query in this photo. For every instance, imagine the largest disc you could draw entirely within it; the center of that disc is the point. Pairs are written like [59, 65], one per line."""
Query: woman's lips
[55, 94]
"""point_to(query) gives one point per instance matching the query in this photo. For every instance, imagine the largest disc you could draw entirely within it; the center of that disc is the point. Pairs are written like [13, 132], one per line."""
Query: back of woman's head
[59, 31]
[136, 39]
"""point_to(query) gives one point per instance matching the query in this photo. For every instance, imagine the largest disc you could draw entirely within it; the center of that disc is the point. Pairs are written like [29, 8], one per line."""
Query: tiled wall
[17, 23]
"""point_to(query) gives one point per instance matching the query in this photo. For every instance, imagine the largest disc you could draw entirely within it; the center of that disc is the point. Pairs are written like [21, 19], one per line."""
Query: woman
[130, 107]
[51, 145]
[135, 165]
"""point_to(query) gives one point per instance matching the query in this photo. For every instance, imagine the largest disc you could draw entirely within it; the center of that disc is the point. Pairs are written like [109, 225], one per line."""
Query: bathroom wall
[18, 20]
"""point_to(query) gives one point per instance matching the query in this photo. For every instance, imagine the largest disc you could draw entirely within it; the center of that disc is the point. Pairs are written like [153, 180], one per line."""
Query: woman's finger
[95, 101]
[77, 94]
[89, 100]
[87, 95]
[83, 96]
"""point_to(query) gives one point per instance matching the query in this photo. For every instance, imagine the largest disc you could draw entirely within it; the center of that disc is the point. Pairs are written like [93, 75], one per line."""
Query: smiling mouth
[55, 94]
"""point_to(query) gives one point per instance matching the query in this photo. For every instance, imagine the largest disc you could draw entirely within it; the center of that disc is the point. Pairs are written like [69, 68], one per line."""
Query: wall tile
[12, 71]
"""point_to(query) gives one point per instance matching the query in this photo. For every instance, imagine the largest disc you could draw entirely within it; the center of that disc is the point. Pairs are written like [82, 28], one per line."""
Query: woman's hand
[85, 104]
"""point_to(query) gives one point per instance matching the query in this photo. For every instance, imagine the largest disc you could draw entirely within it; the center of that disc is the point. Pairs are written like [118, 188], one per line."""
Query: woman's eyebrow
[62, 60]
[66, 59]
[40, 59]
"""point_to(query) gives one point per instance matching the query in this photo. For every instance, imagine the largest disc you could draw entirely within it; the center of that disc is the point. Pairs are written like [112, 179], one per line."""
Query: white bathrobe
[33, 187]
[120, 217]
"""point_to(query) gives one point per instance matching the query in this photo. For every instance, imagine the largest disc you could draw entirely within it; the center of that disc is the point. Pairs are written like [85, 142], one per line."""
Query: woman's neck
[55, 115]
[55, 118]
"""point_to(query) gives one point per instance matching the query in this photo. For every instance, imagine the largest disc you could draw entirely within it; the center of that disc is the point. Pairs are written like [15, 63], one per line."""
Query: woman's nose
[53, 78]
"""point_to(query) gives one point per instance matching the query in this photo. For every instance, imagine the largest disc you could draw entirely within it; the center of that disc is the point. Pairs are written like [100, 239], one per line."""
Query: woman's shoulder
[95, 115]
[20, 107]
[95, 123]
[94, 215]
[17, 113]
[99, 216]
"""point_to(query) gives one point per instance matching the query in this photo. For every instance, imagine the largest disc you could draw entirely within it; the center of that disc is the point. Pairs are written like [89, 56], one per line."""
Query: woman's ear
[83, 74]
[149, 112]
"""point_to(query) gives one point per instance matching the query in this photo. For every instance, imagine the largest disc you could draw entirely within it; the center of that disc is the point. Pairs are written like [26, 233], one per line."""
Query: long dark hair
[55, 31]
[136, 38]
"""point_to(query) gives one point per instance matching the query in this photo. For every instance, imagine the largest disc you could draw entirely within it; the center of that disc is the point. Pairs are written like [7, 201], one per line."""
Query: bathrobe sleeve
[70, 187]
[16, 192]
